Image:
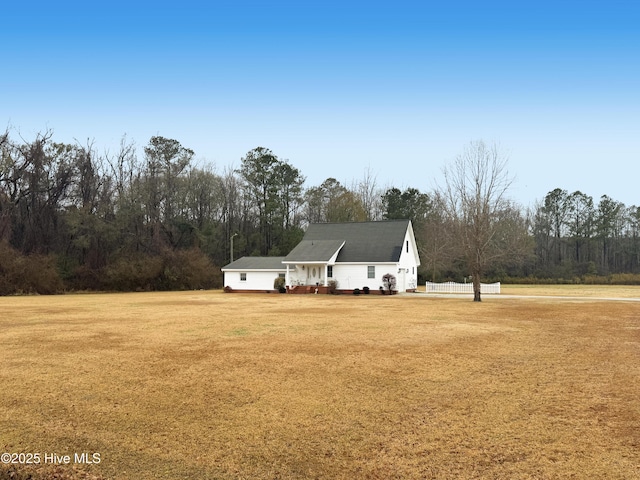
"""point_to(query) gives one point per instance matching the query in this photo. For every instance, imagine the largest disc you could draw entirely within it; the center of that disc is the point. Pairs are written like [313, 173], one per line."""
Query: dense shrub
[138, 273]
[172, 270]
[85, 278]
[188, 270]
[27, 274]
[625, 279]
[279, 284]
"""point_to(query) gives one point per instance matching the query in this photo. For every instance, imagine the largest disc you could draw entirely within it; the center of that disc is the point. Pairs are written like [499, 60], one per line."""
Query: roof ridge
[365, 221]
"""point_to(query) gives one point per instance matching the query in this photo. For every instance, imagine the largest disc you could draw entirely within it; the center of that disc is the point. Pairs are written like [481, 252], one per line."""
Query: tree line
[75, 219]
[575, 235]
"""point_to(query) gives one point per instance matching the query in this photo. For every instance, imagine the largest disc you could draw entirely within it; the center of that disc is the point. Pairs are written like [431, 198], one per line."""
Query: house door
[402, 279]
[314, 274]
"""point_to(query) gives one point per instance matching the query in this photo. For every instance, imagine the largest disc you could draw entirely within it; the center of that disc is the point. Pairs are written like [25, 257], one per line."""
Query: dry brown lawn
[206, 385]
[594, 291]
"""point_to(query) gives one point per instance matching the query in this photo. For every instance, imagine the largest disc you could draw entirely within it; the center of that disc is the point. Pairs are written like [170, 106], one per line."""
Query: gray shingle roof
[256, 263]
[364, 241]
[314, 251]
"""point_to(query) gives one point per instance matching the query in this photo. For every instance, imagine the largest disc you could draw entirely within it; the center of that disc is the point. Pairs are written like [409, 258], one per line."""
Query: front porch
[310, 264]
[310, 275]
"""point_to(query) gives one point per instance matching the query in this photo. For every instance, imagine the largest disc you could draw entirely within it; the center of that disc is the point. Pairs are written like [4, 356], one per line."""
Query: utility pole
[232, 246]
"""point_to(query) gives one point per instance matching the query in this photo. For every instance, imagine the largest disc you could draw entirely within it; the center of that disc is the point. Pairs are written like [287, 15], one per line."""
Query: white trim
[279, 270]
[331, 260]
[300, 262]
[371, 274]
[366, 263]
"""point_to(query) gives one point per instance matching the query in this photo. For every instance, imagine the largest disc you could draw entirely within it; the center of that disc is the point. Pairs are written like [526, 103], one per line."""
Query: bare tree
[434, 238]
[475, 202]
[369, 194]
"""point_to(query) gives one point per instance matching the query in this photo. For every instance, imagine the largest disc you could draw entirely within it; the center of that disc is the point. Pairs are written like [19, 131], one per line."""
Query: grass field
[568, 290]
[594, 291]
[207, 385]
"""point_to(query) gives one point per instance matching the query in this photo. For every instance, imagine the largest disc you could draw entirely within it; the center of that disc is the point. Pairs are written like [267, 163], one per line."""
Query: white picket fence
[453, 287]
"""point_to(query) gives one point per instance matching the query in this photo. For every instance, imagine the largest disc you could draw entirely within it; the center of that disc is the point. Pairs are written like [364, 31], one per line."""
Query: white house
[354, 255]
[253, 273]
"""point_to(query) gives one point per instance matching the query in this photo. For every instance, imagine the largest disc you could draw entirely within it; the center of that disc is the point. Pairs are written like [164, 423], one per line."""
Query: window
[281, 275]
[243, 277]
[330, 271]
[407, 246]
[371, 271]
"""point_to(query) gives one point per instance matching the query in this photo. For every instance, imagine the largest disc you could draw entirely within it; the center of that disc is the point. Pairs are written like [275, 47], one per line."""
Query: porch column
[326, 271]
[287, 280]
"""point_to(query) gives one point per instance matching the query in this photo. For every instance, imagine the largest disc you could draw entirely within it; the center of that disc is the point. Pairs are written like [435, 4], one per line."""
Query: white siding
[407, 278]
[350, 275]
[256, 279]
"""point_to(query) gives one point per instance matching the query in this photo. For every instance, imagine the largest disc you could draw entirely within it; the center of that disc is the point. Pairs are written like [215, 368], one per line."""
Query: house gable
[410, 253]
[314, 251]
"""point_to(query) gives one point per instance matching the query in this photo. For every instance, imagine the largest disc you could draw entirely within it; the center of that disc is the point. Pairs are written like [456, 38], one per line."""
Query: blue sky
[339, 88]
